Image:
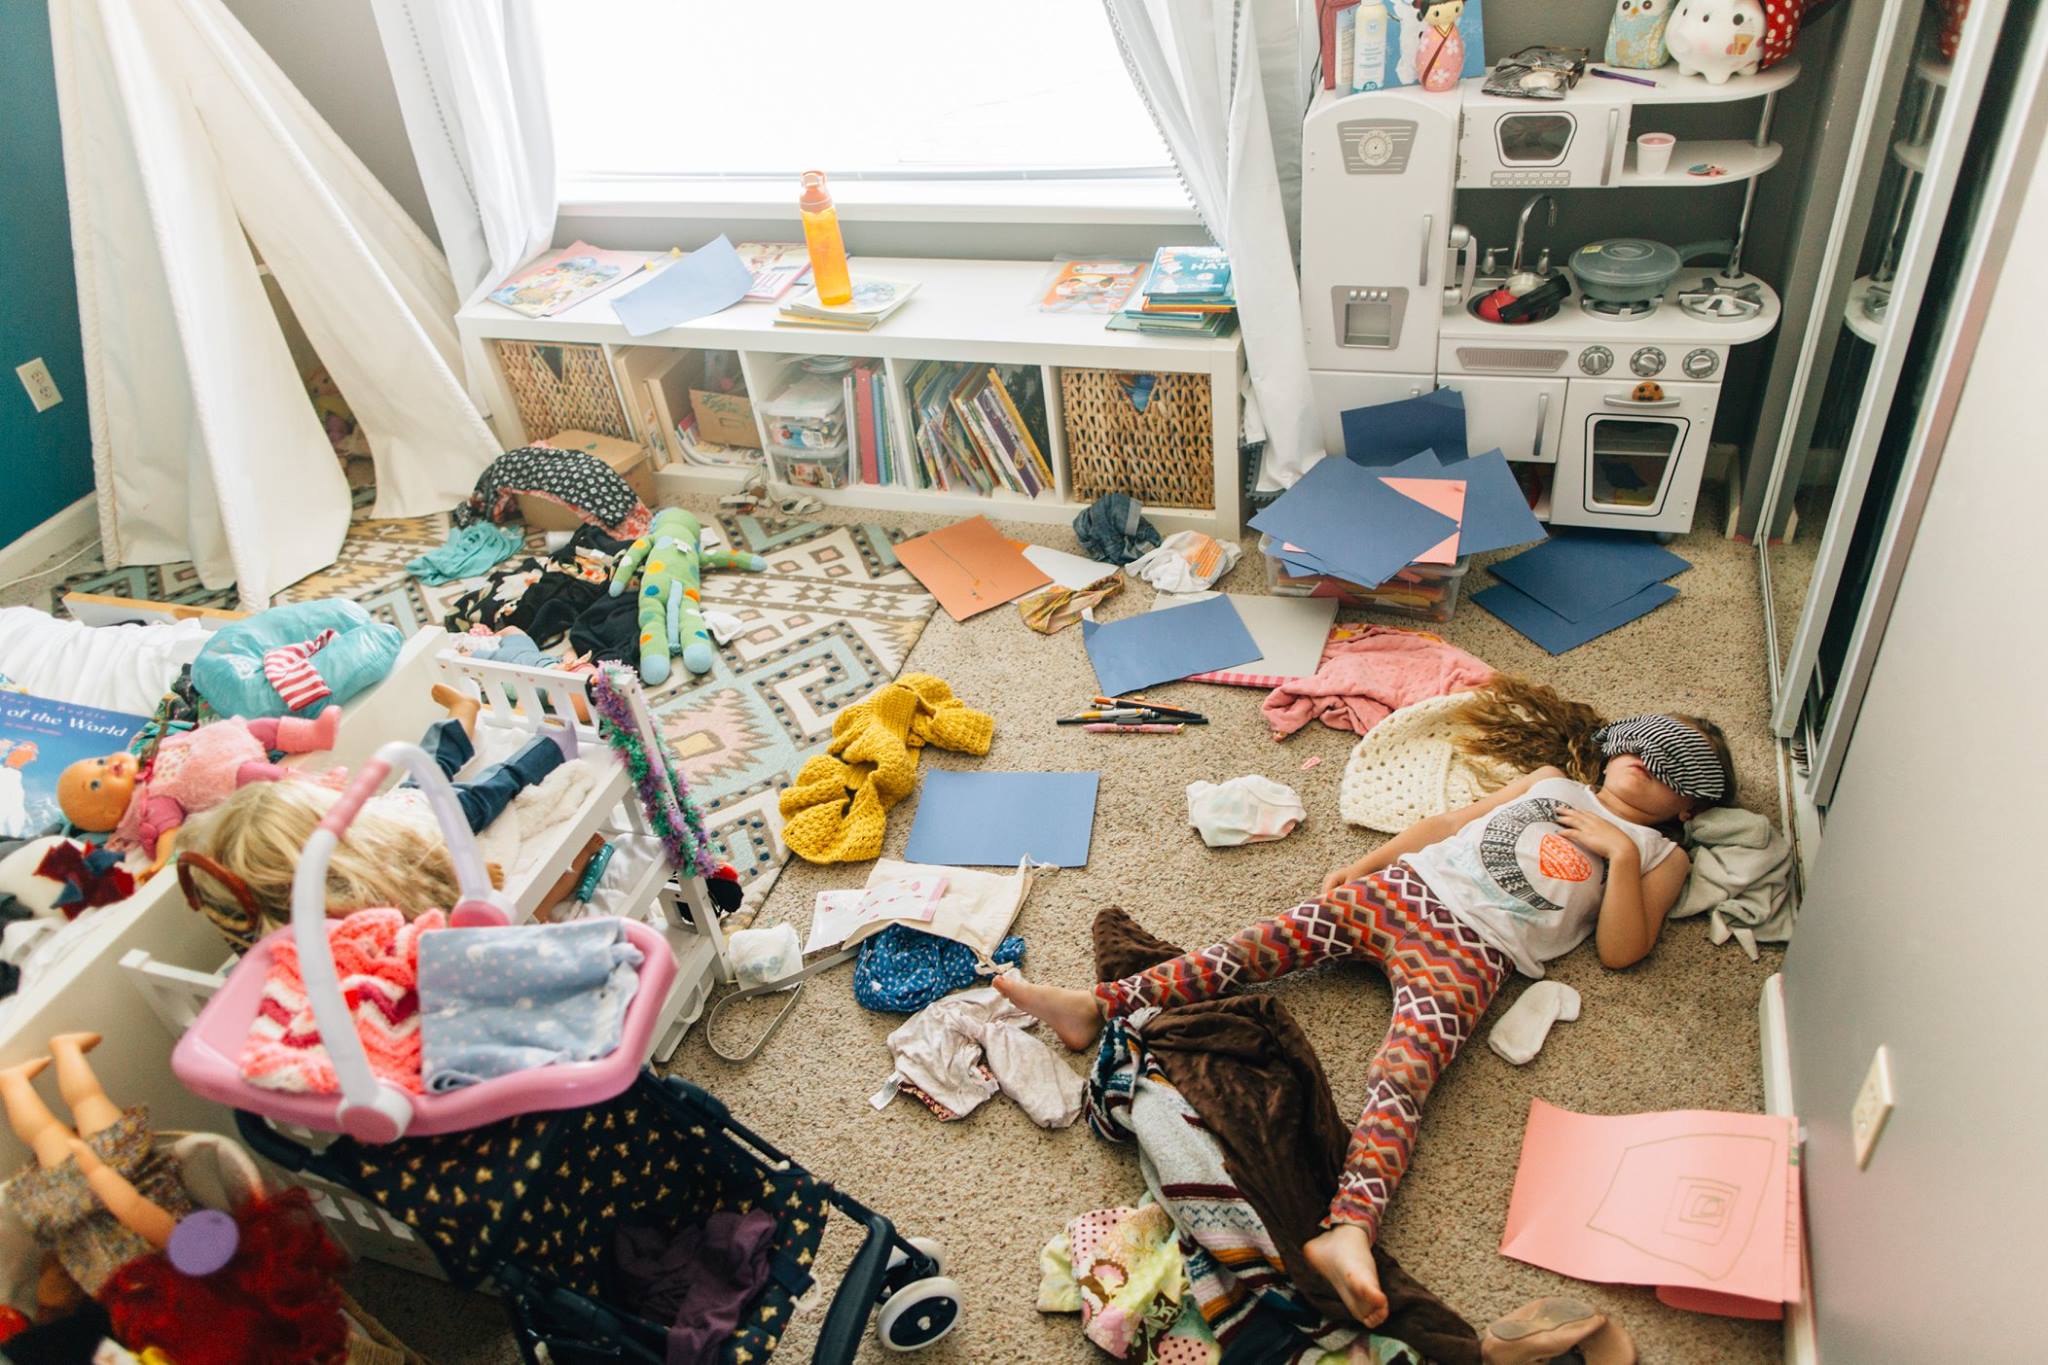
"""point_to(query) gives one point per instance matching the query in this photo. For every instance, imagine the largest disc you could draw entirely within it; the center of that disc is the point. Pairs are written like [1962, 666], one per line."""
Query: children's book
[1189, 273]
[39, 739]
[873, 299]
[1090, 286]
[563, 279]
[778, 268]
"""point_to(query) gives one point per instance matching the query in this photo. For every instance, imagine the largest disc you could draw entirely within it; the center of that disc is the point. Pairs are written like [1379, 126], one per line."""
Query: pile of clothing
[1240, 1144]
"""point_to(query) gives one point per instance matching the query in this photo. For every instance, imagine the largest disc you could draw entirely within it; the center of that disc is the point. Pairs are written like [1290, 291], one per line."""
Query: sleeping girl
[1447, 909]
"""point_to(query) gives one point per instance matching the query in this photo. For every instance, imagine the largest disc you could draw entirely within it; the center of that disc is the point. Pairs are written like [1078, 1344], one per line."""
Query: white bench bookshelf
[974, 311]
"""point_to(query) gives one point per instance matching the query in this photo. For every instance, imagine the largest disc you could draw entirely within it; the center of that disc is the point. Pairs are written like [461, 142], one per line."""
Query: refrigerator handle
[1428, 232]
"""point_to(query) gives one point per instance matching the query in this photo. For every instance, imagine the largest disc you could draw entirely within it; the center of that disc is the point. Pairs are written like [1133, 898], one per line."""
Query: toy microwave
[1575, 142]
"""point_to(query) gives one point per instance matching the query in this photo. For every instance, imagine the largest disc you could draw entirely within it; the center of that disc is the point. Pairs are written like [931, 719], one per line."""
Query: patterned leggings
[1444, 976]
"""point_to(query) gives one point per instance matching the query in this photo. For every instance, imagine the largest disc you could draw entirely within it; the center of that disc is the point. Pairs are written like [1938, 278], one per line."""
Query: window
[917, 100]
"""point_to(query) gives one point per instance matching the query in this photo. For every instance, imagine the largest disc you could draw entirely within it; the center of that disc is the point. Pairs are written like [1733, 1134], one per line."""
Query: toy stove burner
[1720, 300]
[1620, 312]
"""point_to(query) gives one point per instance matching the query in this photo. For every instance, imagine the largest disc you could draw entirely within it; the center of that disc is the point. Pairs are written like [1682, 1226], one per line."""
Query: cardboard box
[727, 418]
[629, 459]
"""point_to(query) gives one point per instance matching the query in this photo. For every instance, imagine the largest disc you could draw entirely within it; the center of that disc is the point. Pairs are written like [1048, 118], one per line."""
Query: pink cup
[1653, 153]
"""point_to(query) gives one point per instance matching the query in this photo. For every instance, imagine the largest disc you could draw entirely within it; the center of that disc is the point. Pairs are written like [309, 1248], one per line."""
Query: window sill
[1155, 201]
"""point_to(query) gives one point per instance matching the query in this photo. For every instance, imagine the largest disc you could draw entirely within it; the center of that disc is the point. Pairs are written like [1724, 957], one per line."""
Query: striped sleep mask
[1675, 754]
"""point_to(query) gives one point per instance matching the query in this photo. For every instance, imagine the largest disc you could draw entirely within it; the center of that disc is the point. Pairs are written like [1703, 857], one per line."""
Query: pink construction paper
[1693, 1199]
[1445, 496]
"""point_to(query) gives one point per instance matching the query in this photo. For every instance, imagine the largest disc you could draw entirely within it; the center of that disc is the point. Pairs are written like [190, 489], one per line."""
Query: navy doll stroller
[533, 1205]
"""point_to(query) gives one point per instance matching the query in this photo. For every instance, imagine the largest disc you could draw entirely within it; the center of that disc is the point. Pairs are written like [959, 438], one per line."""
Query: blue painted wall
[45, 457]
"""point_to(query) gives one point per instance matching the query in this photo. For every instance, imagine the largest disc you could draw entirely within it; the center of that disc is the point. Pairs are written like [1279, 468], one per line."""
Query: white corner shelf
[1669, 87]
[1855, 319]
[1738, 159]
[978, 311]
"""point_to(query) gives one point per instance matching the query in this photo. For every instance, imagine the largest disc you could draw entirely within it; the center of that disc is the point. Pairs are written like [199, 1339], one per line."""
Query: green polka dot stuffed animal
[668, 561]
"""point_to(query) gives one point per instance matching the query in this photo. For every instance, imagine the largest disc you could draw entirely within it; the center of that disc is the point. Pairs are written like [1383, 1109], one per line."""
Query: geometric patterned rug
[832, 619]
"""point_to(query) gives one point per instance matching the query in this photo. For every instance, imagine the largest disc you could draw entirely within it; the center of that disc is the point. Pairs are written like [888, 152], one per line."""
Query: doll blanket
[377, 956]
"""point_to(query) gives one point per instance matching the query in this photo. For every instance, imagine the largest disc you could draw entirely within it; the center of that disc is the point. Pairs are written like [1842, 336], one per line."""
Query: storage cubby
[689, 406]
[980, 430]
[1145, 433]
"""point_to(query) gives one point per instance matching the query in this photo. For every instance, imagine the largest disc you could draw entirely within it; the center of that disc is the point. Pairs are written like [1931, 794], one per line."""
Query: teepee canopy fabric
[189, 158]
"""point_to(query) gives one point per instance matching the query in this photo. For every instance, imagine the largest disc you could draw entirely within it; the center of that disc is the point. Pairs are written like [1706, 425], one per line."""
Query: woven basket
[1164, 456]
[562, 388]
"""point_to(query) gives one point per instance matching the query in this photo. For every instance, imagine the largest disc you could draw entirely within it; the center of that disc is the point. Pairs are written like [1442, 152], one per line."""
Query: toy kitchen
[1606, 367]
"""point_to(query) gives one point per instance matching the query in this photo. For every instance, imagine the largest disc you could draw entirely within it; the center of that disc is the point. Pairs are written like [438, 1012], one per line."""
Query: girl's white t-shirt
[1519, 880]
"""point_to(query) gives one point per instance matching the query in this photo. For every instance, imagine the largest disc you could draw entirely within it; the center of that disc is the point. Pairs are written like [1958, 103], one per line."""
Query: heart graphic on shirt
[1562, 860]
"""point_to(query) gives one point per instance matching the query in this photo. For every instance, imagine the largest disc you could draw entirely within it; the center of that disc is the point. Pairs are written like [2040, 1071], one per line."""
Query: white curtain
[474, 97]
[184, 148]
[1224, 80]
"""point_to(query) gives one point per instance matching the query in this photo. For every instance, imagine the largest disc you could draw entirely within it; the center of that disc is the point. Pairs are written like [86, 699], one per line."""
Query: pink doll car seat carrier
[367, 1109]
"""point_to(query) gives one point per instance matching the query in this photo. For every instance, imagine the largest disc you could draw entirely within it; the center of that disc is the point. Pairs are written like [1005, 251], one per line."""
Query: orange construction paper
[1446, 496]
[1693, 1200]
[970, 567]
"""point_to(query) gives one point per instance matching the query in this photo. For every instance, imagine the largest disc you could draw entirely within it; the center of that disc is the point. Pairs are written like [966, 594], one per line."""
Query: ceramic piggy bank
[1716, 38]
[1635, 36]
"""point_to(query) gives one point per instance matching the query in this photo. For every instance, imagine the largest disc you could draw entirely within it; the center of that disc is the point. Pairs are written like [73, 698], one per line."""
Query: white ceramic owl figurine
[1716, 38]
[1635, 36]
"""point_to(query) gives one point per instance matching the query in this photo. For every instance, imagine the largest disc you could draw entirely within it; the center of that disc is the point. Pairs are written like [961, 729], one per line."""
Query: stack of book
[872, 301]
[867, 413]
[1187, 292]
[978, 430]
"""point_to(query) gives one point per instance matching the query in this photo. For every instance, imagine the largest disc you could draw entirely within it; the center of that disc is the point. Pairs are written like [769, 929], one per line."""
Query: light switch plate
[42, 390]
[1873, 1106]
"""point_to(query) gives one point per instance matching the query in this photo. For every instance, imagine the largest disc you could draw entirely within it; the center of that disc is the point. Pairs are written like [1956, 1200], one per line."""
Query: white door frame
[1930, 208]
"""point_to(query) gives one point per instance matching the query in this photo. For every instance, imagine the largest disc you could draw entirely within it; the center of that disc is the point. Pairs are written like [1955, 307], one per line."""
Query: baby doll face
[1444, 14]
[95, 792]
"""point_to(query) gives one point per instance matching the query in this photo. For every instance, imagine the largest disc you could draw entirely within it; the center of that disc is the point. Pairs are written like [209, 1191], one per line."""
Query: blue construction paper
[1345, 518]
[1578, 574]
[1159, 646]
[1386, 432]
[983, 819]
[1496, 514]
[1557, 634]
[708, 280]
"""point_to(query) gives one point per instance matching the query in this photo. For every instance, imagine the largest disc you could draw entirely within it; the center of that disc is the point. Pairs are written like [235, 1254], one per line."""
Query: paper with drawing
[1692, 1198]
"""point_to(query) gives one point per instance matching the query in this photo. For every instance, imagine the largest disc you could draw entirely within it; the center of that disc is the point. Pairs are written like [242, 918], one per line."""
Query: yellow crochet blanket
[839, 807]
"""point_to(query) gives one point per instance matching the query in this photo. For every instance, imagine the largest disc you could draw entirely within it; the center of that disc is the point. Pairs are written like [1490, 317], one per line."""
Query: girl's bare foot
[1073, 1016]
[1343, 1256]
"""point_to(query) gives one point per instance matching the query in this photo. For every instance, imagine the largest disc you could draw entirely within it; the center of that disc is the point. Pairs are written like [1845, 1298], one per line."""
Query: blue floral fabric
[901, 969]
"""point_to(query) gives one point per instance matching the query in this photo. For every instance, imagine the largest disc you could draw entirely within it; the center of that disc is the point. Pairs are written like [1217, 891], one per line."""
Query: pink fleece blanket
[1361, 681]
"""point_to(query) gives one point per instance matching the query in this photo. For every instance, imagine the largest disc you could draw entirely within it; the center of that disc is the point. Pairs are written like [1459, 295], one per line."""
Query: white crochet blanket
[1408, 768]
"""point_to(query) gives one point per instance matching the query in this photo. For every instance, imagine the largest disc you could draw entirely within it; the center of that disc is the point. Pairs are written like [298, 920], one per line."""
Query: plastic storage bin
[1428, 592]
[810, 467]
[809, 414]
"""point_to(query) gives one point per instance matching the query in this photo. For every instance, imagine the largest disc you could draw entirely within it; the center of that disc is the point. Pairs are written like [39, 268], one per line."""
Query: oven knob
[1700, 364]
[1596, 360]
[1647, 361]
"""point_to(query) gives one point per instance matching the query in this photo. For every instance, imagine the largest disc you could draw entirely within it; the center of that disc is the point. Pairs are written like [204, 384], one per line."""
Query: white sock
[1519, 1035]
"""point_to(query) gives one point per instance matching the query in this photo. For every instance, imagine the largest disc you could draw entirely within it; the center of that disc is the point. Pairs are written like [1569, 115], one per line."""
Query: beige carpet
[1678, 1031]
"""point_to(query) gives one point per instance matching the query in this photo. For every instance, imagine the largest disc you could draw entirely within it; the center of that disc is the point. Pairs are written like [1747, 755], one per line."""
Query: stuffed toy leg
[669, 564]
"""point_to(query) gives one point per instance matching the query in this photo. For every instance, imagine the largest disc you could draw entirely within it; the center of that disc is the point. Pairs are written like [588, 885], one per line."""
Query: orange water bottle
[822, 240]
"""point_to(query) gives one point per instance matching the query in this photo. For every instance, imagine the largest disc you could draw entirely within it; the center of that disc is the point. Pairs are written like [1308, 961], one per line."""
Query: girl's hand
[1333, 880]
[1596, 834]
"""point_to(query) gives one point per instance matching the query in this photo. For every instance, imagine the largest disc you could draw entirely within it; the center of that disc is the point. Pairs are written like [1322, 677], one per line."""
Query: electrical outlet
[1873, 1106]
[42, 390]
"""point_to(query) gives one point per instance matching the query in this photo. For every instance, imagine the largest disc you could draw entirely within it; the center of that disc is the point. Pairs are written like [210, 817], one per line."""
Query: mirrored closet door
[1947, 103]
